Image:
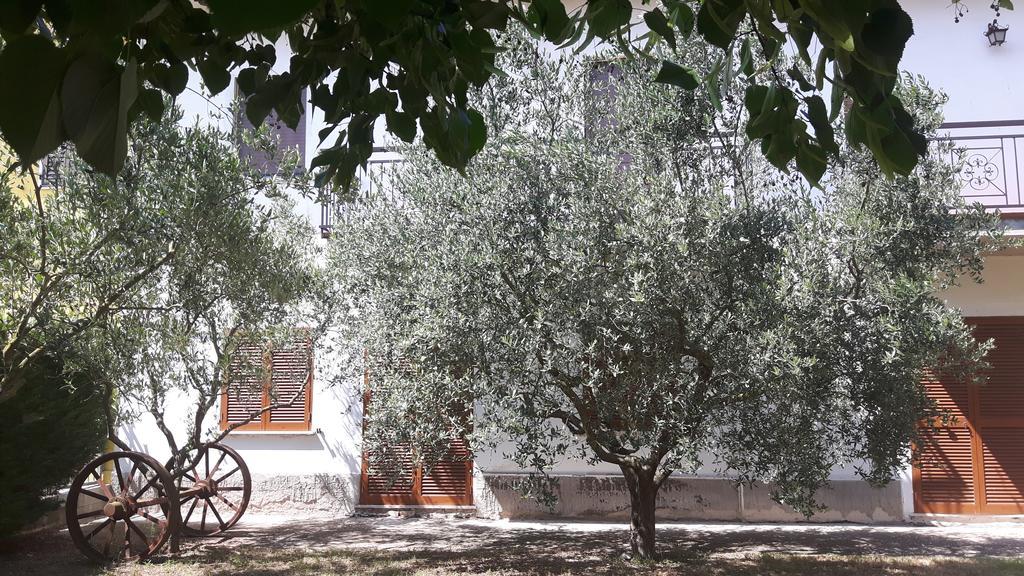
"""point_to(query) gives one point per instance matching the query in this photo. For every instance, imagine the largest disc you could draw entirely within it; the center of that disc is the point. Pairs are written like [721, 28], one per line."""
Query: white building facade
[316, 463]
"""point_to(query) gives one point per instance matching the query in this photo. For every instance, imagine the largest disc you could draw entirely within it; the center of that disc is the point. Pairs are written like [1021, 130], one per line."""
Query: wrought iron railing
[989, 156]
[376, 177]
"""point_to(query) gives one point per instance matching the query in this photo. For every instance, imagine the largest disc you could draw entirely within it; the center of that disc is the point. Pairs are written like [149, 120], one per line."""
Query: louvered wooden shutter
[259, 376]
[976, 464]
[291, 374]
[999, 419]
[449, 477]
[244, 394]
[397, 482]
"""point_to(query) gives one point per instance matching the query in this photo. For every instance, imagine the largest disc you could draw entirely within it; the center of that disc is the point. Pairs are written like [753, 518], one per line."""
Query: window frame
[264, 422]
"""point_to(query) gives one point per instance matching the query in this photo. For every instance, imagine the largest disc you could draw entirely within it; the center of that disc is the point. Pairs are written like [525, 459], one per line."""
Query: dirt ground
[271, 545]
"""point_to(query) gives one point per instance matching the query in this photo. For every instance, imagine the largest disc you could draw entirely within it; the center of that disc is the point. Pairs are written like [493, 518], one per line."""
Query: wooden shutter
[976, 464]
[291, 376]
[448, 483]
[260, 376]
[449, 478]
[945, 477]
[246, 390]
[999, 419]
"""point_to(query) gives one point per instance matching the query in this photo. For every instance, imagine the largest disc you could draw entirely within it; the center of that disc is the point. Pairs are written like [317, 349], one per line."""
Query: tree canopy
[642, 289]
[88, 69]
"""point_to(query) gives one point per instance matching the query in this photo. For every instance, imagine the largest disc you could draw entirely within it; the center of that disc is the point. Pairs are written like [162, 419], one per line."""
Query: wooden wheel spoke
[206, 460]
[152, 502]
[202, 523]
[91, 514]
[134, 528]
[190, 510]
[149, 482]
[95, 495]
[230, 488]
[120, 476]
[189, 476]
[220, 461]
[127, 541]
[103, 485]
[150, 517]
[228, 475]
[217, 515]
[225, 500]
[98, 528]
[128, 488]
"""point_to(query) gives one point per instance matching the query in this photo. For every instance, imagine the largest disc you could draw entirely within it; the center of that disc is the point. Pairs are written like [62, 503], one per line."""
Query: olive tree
[617, 274]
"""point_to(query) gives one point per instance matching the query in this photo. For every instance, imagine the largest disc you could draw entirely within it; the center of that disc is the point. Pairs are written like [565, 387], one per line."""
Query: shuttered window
[261, 376]
[286, 139]
[397, 481]
[974, 464]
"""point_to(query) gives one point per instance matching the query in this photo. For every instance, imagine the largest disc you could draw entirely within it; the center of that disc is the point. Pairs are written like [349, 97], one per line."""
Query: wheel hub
[119, 508]
[206, 487]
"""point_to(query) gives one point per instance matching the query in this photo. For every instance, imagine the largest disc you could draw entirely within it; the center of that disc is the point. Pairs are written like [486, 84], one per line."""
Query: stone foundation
[335, 494]
[606, 498]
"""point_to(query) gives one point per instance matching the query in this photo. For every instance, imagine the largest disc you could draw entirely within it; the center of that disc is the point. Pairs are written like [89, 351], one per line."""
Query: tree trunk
[642, 494]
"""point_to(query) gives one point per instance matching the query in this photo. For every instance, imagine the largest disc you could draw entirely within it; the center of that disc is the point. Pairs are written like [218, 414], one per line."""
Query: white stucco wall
[982, 83]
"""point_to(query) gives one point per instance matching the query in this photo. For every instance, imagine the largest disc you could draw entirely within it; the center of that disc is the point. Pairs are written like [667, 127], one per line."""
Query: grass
[378, 563]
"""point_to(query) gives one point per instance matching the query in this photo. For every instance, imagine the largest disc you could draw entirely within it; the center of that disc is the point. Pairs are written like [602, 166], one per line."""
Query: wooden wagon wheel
[117, 507]
[214, 490]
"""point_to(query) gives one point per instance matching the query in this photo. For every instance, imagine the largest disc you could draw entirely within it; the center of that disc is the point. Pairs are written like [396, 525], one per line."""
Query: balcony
[989, 155]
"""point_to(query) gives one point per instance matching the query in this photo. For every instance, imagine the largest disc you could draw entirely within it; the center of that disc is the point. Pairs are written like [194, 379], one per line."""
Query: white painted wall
[981, 81]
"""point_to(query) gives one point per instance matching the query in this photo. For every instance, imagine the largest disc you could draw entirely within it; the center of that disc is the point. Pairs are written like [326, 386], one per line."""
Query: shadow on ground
[266, 546]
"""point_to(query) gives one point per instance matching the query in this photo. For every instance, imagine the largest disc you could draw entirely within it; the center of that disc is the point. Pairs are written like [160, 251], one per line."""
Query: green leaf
[746, 58]
[811, 161]
[30, 115]
[818, 117]
[550, 17]
[657, 22]
[234, 17]
[215, 75]
[151, 102]
[676, 75]
[718, 20]
[96, 98]
[401, 124]
[605, 17]
[883, 39]
[801, 81]
[838, 92]
[177, 78]
[685, 19]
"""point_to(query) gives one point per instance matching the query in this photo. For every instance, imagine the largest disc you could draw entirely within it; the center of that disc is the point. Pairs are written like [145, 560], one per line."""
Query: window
[285, 137]
[261, 376]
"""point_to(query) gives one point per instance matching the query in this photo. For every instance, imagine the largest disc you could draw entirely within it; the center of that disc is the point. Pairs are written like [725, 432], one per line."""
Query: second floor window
[285, 138]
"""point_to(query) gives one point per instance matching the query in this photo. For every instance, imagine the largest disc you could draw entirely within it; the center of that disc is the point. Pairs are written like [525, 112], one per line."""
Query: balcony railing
[376, 177]
[989, 156]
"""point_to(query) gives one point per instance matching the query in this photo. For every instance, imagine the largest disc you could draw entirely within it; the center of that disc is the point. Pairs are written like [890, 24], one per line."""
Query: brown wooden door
[975, 463]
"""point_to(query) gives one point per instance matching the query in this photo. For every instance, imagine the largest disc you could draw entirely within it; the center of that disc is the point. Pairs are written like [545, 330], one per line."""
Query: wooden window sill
[274, 433]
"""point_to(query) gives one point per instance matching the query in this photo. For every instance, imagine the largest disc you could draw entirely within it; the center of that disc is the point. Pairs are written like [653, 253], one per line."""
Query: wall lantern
[996, 34]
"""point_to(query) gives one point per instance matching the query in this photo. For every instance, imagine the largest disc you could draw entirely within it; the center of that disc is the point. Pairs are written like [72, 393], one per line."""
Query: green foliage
[50, 431]
[95, 66]
[643, 289]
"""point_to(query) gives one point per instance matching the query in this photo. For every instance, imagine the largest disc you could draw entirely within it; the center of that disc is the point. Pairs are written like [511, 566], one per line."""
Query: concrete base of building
[335, 494]
[606, 498]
